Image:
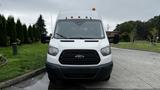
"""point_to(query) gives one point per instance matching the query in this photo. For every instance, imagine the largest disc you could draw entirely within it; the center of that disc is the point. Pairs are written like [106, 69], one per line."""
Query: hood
[79, 44]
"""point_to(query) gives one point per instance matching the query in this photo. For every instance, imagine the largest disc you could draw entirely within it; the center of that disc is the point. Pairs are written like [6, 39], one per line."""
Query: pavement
[132, 69]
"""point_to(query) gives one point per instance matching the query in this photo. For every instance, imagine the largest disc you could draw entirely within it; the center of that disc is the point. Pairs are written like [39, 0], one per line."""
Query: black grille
[79, 57]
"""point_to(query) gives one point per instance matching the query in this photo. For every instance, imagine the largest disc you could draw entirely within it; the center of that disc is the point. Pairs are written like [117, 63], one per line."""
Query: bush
[2, 60]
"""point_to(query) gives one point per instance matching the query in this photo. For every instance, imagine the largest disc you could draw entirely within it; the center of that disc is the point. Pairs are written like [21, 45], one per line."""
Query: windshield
[79, 29]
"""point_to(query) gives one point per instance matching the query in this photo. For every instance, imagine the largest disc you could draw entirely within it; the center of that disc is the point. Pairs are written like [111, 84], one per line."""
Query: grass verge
[30, 57]
[139, 45]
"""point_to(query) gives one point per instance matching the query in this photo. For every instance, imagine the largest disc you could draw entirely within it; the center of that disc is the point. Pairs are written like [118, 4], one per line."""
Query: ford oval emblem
[79, 56]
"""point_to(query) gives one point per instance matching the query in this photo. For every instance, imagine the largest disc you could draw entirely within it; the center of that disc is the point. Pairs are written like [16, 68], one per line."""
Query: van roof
[78, 15]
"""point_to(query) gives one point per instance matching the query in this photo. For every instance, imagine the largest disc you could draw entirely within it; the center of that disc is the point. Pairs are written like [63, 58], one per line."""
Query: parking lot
[132, 70]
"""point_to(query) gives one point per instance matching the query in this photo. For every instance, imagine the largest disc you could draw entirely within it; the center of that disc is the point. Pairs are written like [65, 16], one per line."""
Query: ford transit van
[79, 48]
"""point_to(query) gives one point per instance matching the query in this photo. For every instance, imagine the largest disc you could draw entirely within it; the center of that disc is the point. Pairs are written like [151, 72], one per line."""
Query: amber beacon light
[93, 9]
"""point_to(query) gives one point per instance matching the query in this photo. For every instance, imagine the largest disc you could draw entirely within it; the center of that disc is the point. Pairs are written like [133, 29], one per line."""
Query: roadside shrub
[2, 60]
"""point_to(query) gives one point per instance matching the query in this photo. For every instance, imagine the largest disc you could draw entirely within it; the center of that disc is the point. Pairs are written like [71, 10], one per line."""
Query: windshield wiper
[76, 38]
[80, 38]
[64, 37]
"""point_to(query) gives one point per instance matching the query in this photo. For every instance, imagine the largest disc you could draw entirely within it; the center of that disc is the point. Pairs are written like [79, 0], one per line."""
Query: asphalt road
[132, 70]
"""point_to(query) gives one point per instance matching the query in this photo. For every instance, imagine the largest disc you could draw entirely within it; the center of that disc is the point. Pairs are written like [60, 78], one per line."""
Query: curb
[21, 78]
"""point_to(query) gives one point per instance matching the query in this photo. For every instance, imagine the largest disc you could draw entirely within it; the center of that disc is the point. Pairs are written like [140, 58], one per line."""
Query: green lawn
[30, 57]
[139, 45]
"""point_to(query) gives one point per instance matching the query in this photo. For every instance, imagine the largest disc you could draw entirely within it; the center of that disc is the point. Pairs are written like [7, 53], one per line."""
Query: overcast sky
[112, 11]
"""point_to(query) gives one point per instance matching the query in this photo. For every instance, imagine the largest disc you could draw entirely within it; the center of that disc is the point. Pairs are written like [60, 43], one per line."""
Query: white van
[79, 48]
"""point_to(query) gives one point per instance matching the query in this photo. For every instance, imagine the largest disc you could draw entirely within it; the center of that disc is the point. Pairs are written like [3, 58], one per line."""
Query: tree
[30, 33]
[40, 25]
[133, 35]
[3, 32]
[141, 30]
[36, 33]
[154, 22]
[125, 30]
[153, 35]
[25, 33]
[19, 29]
[11, 29]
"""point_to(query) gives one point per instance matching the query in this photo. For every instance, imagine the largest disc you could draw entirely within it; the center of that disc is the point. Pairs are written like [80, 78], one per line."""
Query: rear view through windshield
[79, 29]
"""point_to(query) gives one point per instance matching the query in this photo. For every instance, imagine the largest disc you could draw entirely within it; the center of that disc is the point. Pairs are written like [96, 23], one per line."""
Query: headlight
[53, 50]
[106, 50]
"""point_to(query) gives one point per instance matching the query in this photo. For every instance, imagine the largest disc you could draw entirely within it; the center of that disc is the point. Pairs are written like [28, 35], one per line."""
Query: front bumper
[71, 72]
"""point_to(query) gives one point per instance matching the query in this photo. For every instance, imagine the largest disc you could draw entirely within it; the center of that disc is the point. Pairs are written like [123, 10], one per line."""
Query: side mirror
[113, 37]
[45, 38]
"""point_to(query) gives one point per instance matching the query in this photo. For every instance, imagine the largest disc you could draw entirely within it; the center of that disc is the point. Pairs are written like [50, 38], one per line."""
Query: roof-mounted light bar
[80, 17]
